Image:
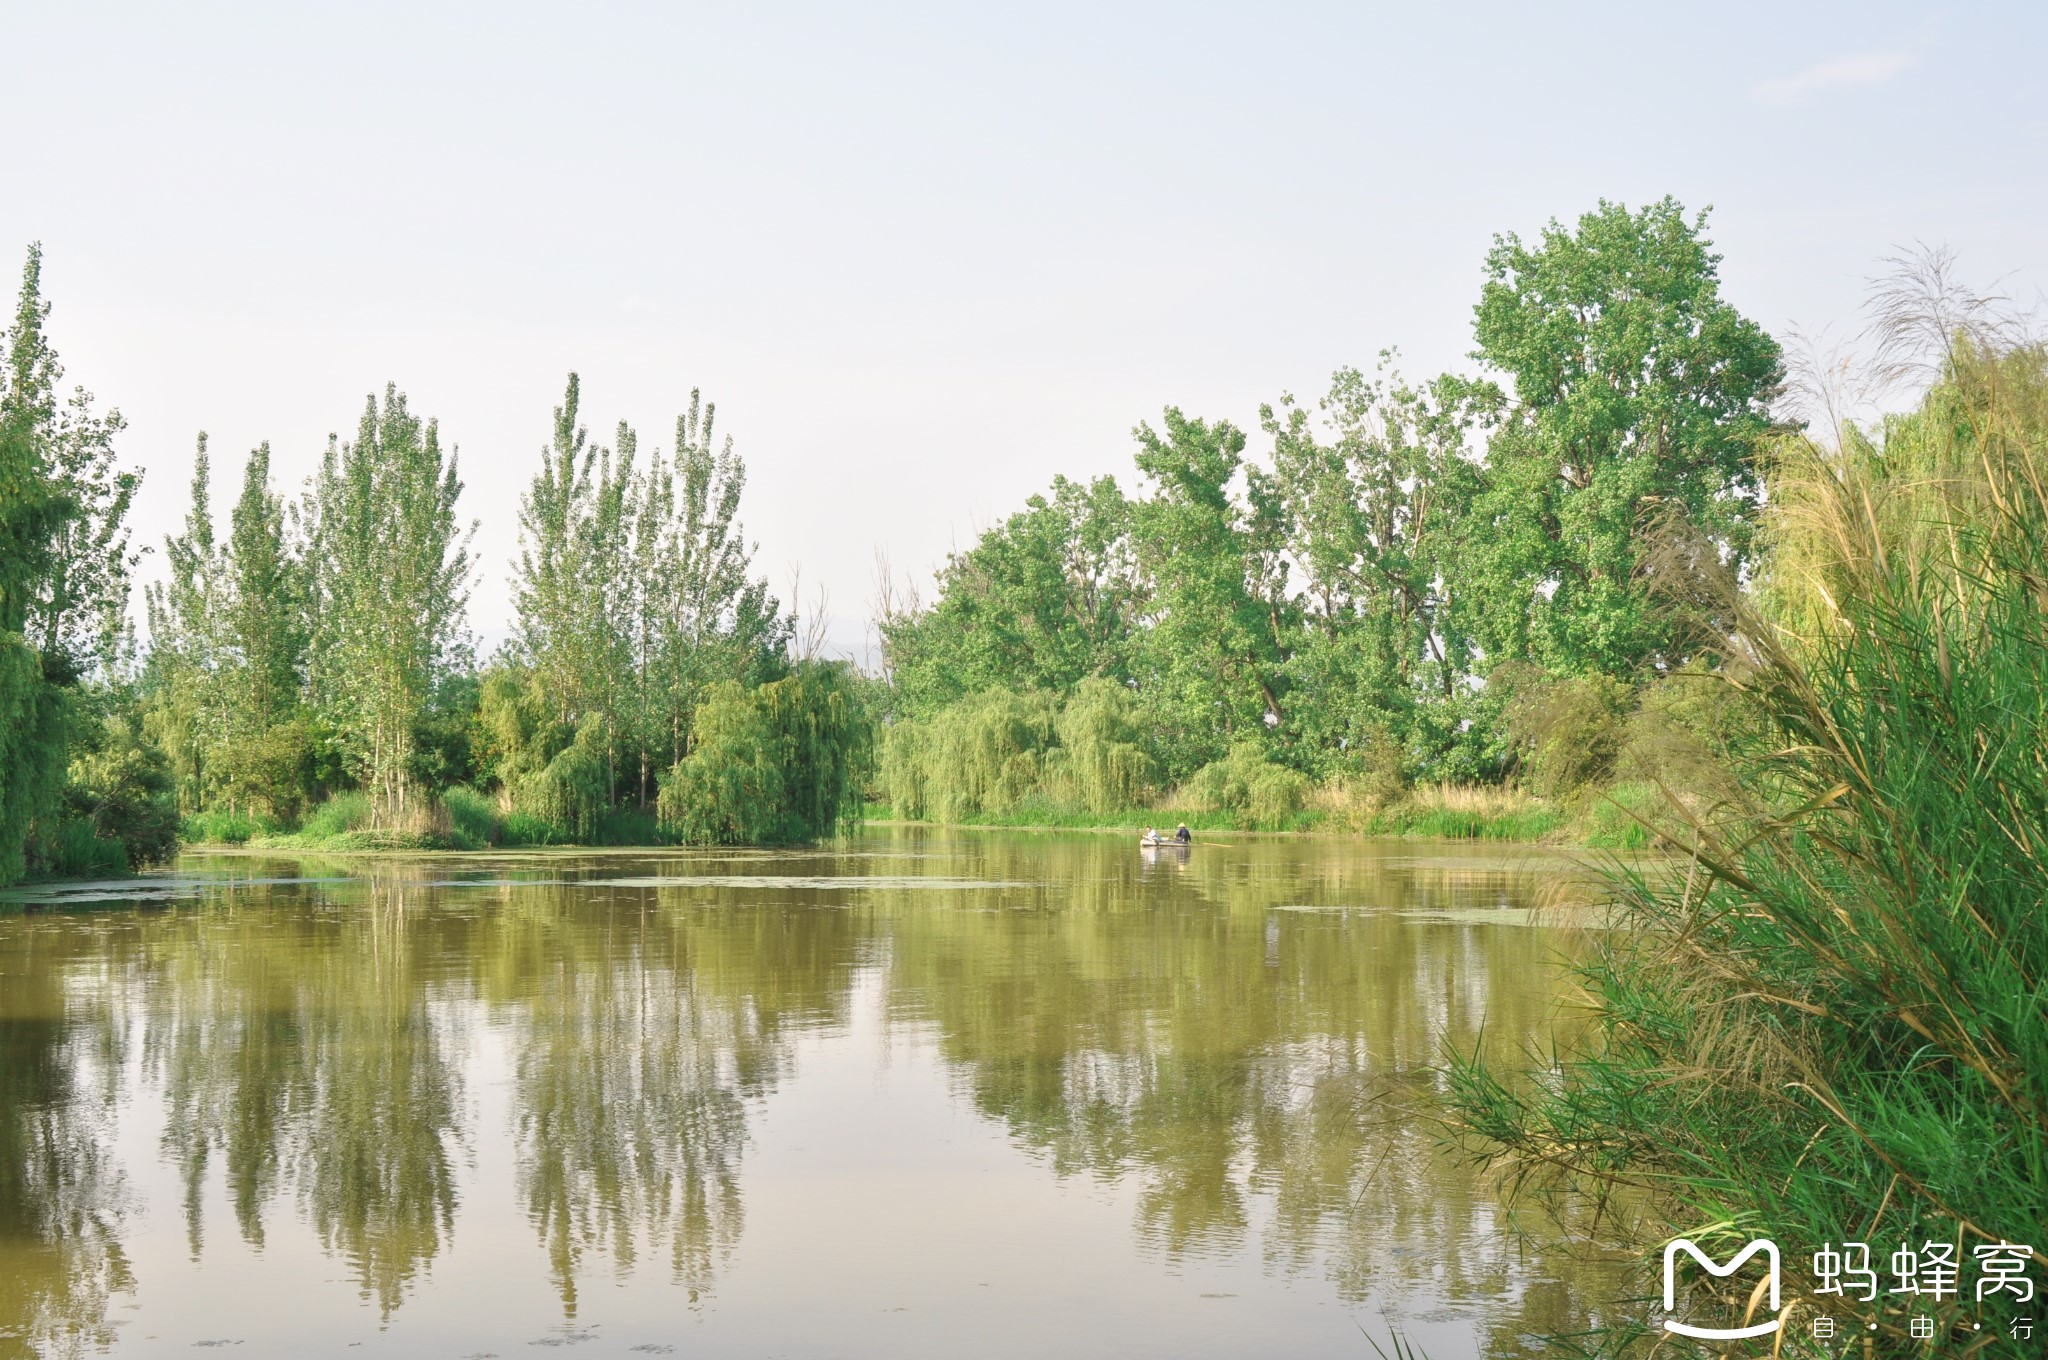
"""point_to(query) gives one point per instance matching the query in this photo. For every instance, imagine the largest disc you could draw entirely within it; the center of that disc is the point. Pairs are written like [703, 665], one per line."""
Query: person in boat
[1183, 835]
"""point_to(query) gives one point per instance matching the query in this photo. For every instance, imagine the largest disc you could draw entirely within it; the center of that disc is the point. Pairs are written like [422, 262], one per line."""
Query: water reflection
[1244, 1036]
[62, 1198]
[639, 1037]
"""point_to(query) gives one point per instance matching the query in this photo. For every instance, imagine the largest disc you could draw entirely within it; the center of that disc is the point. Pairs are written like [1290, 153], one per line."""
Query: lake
[916, 1094]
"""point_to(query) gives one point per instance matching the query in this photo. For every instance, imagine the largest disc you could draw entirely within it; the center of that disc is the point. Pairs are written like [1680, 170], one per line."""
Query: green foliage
[221, 827]
[1255, 790]
[1352, 591]
[776, 765]
[1217, 623]
[1371, 504]
[1101, 760]
[74, 848]
[32, 752]
[339, 815]
[634, 594]
[120, 786]
[515, 732]
[1629, 816]
[1835, 1026]
[73, 581]
[1636, 387]
[64, 576]
[572, 791]
[1569, 730]
[271, 771]
[389, 581]
[986, 754]
[1043, 601]
[472, 818]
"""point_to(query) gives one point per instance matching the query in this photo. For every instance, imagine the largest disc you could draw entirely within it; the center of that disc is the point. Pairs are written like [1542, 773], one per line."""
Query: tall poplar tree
[186, 706]
[635, 594]
[388, 589]
[34, 509]
[64, 563]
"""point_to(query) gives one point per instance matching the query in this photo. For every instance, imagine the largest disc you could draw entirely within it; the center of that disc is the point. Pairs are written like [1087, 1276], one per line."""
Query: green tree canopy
[1044, 600]
[1637, 390]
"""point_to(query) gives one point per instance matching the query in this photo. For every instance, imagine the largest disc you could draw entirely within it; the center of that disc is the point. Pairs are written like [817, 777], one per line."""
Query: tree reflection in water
[1249, 1040]
[641, 1030]
[297, 1039]
[61, 1194]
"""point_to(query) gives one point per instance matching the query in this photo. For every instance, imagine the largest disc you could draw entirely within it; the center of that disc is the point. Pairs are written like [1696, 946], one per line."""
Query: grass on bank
[460, 818]
[1628, 816]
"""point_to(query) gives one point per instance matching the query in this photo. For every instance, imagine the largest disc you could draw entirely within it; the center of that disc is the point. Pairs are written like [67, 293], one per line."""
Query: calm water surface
[918, 1095]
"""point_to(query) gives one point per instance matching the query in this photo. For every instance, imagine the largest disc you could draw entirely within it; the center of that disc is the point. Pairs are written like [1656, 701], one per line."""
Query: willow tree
[388, 589]
[775, 765]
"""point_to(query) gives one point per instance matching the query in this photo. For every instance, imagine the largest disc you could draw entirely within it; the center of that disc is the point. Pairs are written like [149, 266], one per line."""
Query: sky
[924, 258]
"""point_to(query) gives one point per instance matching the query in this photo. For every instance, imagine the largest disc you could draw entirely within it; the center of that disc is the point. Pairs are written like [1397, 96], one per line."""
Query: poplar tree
[1220, 619]
[265, 606]
[1637, 390]
[33, 510]
[634, 595]
[388, 589]
[185, 705]
[64, 564]
[710, 619]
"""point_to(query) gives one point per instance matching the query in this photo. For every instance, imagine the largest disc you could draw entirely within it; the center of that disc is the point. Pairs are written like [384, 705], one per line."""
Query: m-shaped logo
[1735, 1263]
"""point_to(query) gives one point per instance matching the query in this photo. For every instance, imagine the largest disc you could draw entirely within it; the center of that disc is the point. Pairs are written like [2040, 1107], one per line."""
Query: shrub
[273, 772]
[472, 819]
[1469, 812]
[1245, 783]
[219, 827]
[343, 813]
[1567, 730]
[121, 787]
[74, 849]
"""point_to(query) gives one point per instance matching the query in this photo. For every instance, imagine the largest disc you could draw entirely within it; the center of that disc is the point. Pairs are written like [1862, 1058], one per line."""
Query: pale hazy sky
[925, 257]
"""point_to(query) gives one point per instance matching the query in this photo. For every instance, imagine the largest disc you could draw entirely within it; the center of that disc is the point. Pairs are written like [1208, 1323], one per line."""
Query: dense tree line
[1407, 582]
[314, 670]
[1365, 602]
[309, 668]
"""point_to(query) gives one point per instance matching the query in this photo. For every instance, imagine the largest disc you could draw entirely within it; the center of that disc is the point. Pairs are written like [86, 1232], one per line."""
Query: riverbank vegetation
[1834, 1028]
[1420, 609]
[1425, 611]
